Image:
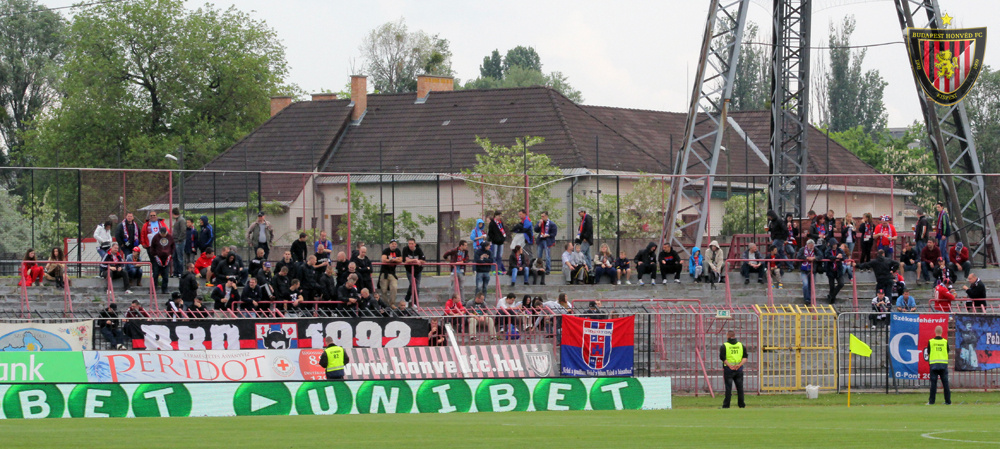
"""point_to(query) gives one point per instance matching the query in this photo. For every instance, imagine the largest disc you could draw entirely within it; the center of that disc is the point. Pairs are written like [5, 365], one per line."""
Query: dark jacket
[551, 229]
[483, 257]
[363, 268]
[206, 237]
[219, 293]
[345, 293]
[342, 273]
[669, 259]
[188, 286]
[417, 253]
[328, 287]
[299, 251]
[497, 233]
[133, 234]
[587, 230]
[249, 296]
[191, 241]
[977, 290]
[921, 230]
[646, 256]
[323, 361]
[881, 267]
[776, 227]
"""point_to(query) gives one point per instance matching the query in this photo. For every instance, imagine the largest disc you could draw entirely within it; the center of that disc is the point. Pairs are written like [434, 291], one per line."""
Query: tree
[368, 220]
[230, 228]
[523, 57]
[145, 77]
[744, 214]
[42, 229]
[31, 47]
[983, 107]
[854, 98]
[498, 174]
[641, 210]
[492, 66]
[393, 57]
[751, 88]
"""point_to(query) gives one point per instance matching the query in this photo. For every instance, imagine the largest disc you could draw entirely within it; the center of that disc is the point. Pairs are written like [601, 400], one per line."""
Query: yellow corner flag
[859, 347]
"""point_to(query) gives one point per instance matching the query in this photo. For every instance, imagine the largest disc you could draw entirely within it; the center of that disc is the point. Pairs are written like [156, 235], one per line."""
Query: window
[448, 231]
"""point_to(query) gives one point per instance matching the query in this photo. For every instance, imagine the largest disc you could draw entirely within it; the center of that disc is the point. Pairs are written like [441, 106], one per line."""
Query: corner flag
[859, 347]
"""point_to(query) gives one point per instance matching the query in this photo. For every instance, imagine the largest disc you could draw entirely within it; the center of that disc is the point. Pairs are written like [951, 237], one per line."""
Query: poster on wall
[266, 333]
[977, 342]
[597, 348]
[908, 336]
[74, 336]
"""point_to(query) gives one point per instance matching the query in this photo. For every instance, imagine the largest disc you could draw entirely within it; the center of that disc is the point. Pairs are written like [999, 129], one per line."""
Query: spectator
[576, 264]
[150, 229]
[54, 270]
[818, 230]
[883, 268]
[478, 234]
[342, 265]
[191, 247]
[518, 264]
[300, 249]
[928, 261]
[175, 306]
[102, 234]
[779, 235]
[327, 287]
[752, 264]
[594, 311]
[906, 302]
[309, 278]
[204, 263]
[349, 295]
[458, 256]
[483, 259]
[670, 262]
[835, 270]
[161, 251]
[585, 236]
[367, 305]
[134, 317]
[127, 234]
[226, 296]
[479, 317]
[645, 263]
[224, 267]
[538, 271]
[454, 309]
[323, 248]
[436, 336]
[547, 231]
[525, 229]
[363, 267]
[206, 235]
[114, 267]
[109, 327]
[256, 263]
[882, 307]
[921, 230]
[910, 260]
[942, 229]
[399, 310]
[623, 268]
[179, 233]
[197, 309]
[848, 262]
[791, 245]
[510, 308]
[959, 257]
[413, 260]
[560, 307]
[295, 299]
[605, 266]
[134, 271]
[807, 267]
[867, 232]
[264, 279]
[848, 235]
[696, 265]
[885, 234]
[976, 291]
[943, 274]
[715, 260]
[945, 296]
[775, 268]
[281, 285]
[188, 286]
[388, 281]
[497, 235]
[260, 234]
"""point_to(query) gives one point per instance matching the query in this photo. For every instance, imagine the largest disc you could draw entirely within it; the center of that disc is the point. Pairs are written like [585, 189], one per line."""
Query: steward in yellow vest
[334, 359]
[733, 355]
[936, 354]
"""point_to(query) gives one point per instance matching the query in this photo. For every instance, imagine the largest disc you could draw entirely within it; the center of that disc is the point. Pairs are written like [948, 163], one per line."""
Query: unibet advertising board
[328, 398]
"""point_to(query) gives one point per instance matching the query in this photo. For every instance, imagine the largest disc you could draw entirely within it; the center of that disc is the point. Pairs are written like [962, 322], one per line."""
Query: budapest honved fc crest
[946, 62]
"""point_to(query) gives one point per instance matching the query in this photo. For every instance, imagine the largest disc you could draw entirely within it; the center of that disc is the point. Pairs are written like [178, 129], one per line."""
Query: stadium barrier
[71, 400]
[798, 347]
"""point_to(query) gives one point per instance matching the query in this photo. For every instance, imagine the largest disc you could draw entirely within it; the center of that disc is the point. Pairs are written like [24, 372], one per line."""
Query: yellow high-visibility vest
[334, 358]
[734, 352]
[938, 351]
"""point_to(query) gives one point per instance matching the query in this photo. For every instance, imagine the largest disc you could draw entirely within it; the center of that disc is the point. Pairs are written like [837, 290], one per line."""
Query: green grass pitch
[874, 420]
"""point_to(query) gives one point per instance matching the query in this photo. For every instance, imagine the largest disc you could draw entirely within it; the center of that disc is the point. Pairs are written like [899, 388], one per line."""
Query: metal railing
[67, 293]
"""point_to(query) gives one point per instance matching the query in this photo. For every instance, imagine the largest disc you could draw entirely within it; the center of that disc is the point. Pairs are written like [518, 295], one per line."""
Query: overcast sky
[624, 53]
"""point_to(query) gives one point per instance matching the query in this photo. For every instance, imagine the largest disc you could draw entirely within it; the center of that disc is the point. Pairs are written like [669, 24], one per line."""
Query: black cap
[175, 295]
[260, 214]
[113, 306]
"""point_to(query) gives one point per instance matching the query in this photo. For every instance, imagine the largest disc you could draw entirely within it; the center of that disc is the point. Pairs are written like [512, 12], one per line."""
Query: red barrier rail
[454, 274]
[963, 305]
[67, 294]
[770, 282]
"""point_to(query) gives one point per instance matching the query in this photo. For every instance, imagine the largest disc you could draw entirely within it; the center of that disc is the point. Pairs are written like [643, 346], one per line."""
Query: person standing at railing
[150, 229]
[388, 281]
[807, 267]
[524, 232]
[942, 229]
[363, 267]
[779, 235]
[497, 235]
[260, 234]
[161, 253]
[867, 232]
[547, 231]
[458, 256]
[413, 260]
[483, 258]
[180, 233]
[102, 234]
[921, 230]
[206, 235]
[341, 265]
[585, 235]
[886, 236]
[190, 242]
[116, 269]
[127, 233]
[835, 270]
[349, 296]
[848, 235]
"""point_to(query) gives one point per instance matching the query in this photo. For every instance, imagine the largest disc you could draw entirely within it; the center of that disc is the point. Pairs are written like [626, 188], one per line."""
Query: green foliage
[373, 223]
[497, 174]
[31, 45]
[492, 66]
[853, 97]
[642, 209]
[50, 224]
[145, 77]
[393, 57]
[230, 227]
[743, 212]
[983, 106]
[752, 86]
[521, 77]
[523, 57]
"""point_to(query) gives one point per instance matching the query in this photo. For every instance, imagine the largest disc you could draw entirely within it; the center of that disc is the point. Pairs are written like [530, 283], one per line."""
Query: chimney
[359, 96]
[278, 104]
[324, 96]
[431, 83]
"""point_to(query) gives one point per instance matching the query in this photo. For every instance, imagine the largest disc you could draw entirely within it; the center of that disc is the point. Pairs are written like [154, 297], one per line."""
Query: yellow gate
[798, 347]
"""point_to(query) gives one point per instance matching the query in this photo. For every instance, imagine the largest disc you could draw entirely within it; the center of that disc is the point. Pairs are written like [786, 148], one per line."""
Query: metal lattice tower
[691, 191]
[954, 148]
[790, 105]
